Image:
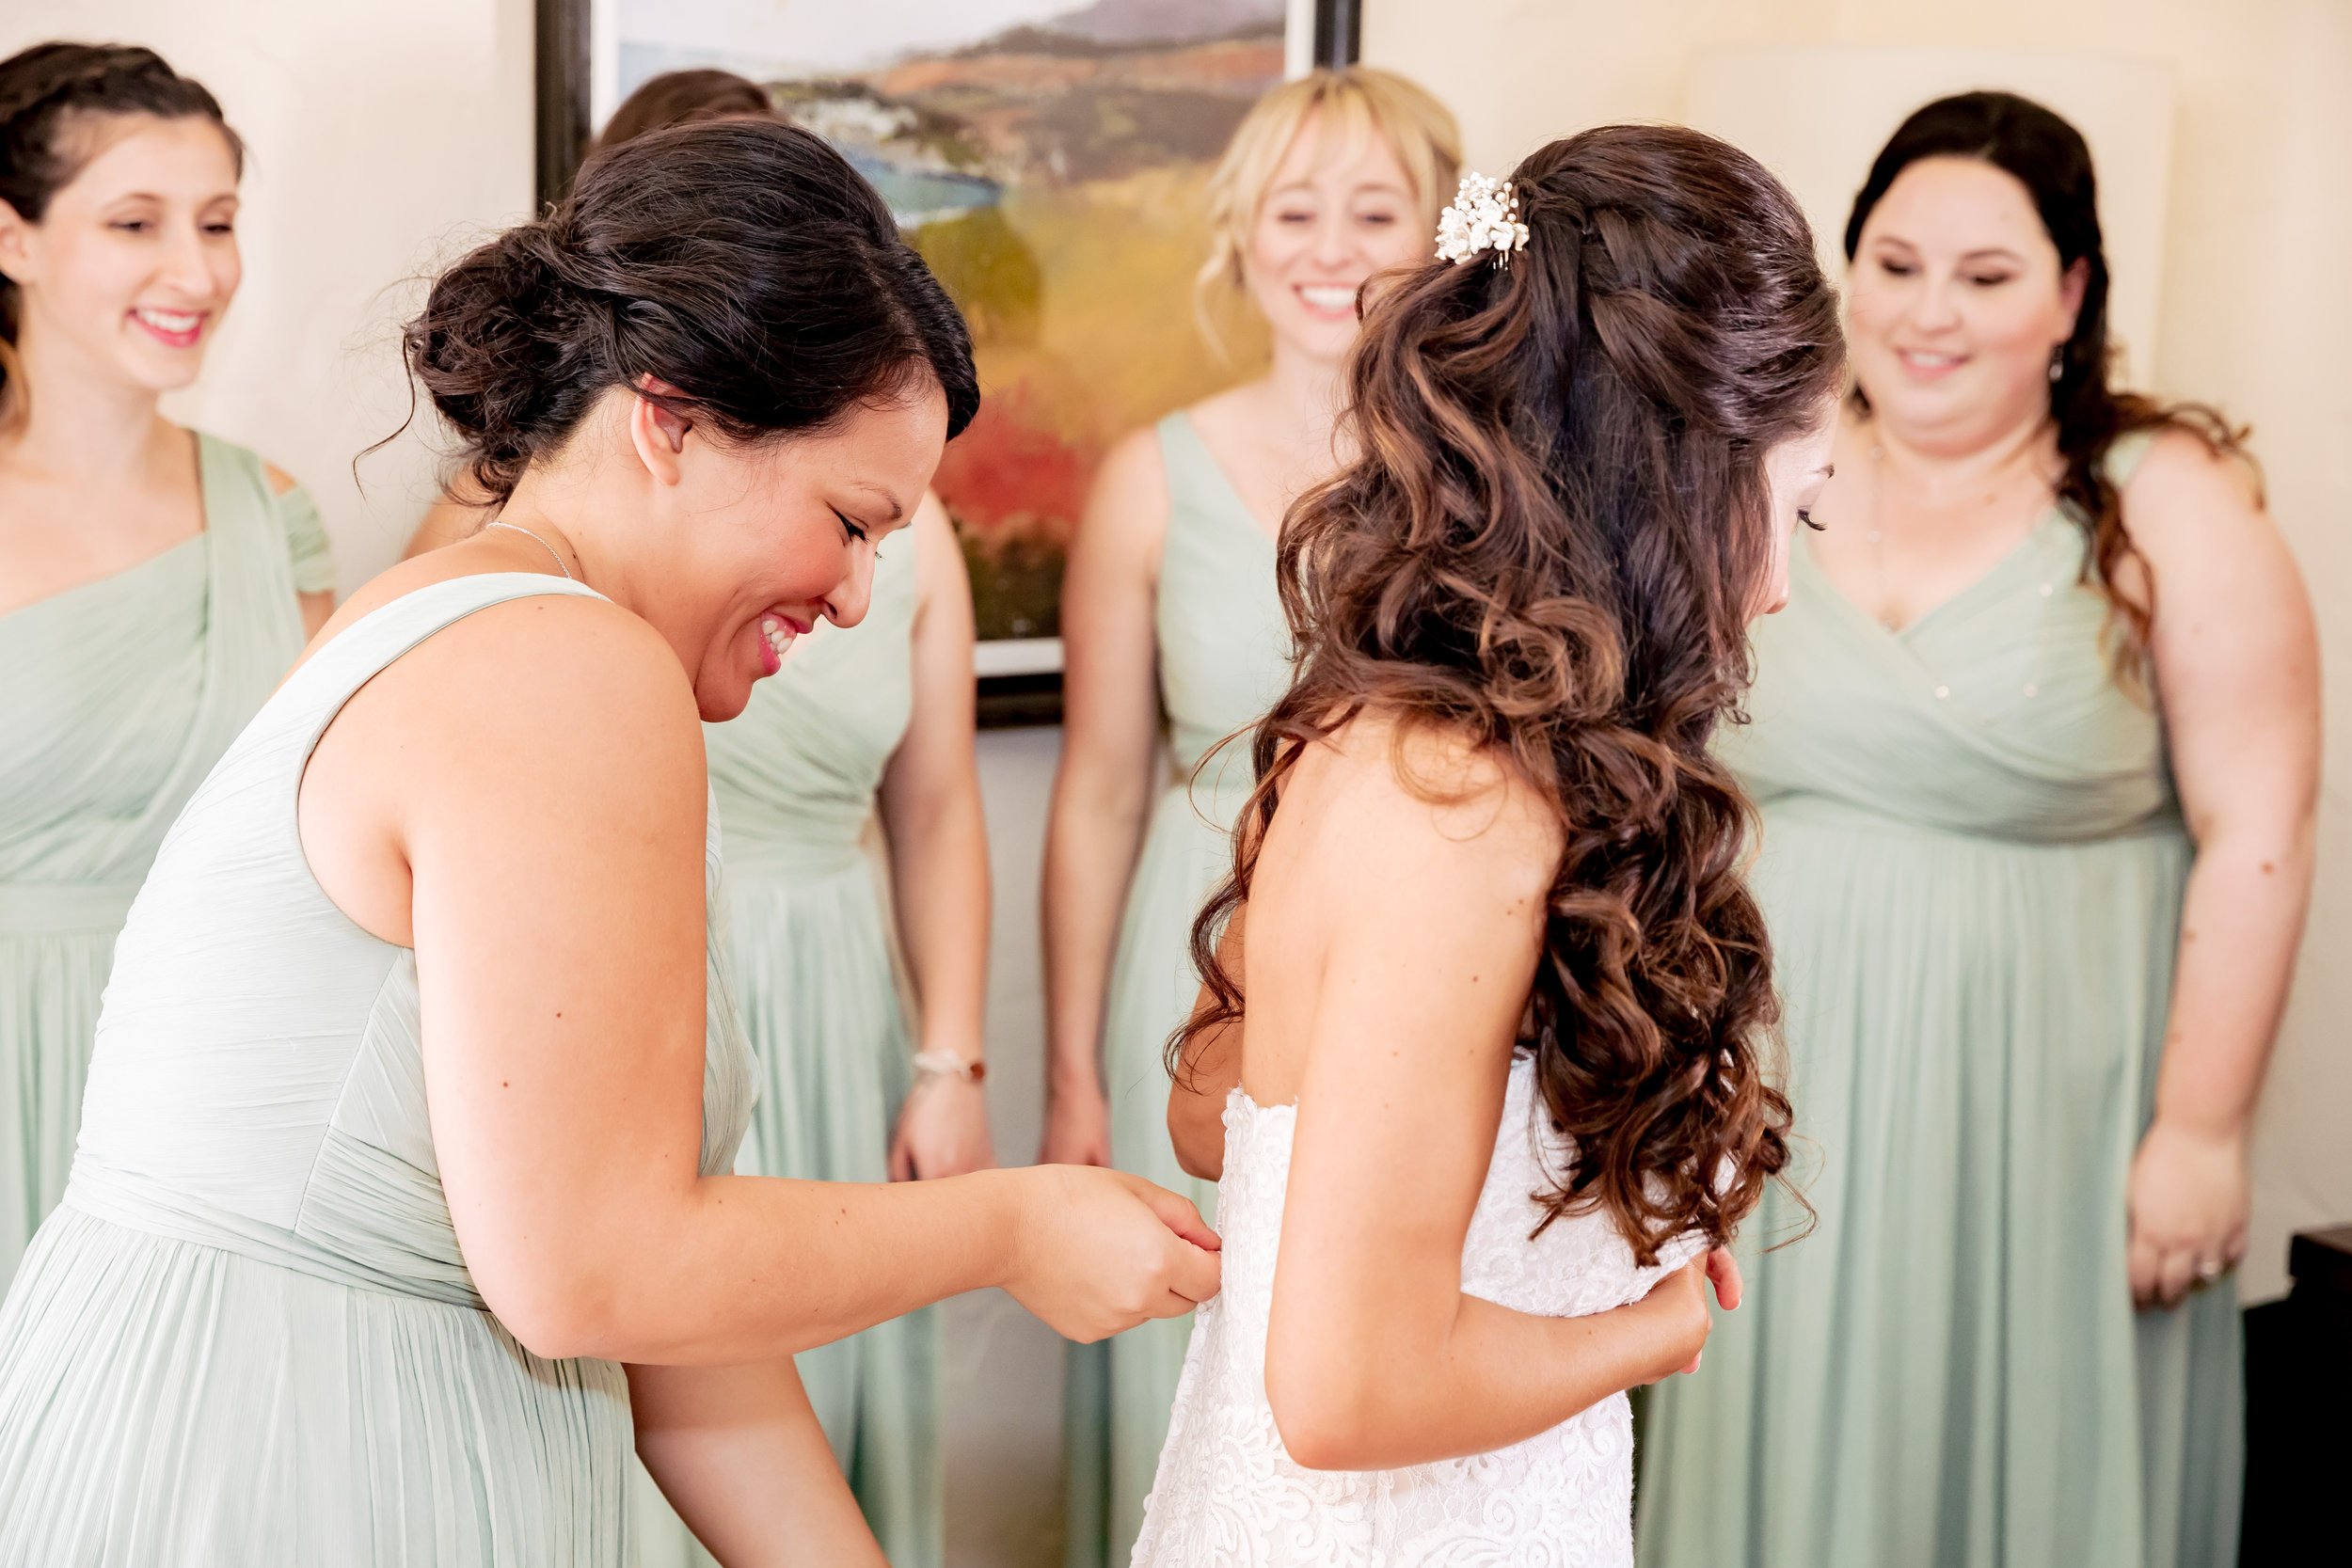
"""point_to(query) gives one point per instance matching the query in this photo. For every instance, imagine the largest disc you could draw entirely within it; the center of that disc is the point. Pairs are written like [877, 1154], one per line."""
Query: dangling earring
[2057, 363]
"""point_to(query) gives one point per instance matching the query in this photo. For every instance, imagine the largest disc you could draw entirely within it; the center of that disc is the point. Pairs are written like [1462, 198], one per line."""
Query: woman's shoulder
[2178, 486]
[1401, 777]
[280, 498]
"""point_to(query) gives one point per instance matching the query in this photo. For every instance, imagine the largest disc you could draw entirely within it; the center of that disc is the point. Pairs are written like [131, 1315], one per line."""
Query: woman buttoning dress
[1169, 607]
[877, 724]
[403, 1198]
[1481, 1060]
[2036, 747]
[156, 582]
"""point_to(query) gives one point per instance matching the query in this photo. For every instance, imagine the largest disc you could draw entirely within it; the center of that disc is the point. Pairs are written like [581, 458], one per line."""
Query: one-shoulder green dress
[1224, 657]
[1973, 864]
[796, 776]
[116, 696]
[248, 1334]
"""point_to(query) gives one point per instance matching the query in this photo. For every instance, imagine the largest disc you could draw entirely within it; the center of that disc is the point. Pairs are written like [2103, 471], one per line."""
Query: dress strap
[315, 694]
[2124, 455]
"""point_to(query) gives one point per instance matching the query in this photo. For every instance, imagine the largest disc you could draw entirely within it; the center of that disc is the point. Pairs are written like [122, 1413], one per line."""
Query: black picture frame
[561, 74]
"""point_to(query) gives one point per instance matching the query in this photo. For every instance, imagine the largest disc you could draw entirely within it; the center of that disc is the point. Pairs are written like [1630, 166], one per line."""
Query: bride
[1487, 998]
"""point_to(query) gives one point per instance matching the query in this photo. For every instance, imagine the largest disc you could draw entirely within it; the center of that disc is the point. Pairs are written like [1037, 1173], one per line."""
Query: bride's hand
[1677, 1306]
[1098, 1251]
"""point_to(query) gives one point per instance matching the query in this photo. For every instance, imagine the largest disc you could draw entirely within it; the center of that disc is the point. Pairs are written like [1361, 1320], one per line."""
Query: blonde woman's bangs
[1350, 107]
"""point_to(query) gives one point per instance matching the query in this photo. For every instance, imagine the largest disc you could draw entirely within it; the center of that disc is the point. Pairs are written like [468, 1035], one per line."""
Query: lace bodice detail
[1229, 1495]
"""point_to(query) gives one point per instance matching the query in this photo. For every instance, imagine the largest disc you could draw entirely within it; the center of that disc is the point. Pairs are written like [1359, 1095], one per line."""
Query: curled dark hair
[741, 263]
[1550, 544]
[2045, 153]
[43, 90]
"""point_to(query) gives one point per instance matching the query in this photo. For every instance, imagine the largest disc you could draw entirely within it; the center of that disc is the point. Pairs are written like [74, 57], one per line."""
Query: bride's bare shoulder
[1384, 790]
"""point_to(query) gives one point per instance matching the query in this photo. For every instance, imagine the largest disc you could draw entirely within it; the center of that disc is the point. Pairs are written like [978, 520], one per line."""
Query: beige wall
[2250, 311]
[380, 136]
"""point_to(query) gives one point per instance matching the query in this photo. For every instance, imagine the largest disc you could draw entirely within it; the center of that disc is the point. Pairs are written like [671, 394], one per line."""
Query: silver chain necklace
[517, 528]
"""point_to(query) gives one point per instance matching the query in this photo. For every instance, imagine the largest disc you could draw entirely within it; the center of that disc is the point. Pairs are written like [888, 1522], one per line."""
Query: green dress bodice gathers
[116, 697]
[795, 776]
[248, 1334]
[1224, 658]
[1972, 868]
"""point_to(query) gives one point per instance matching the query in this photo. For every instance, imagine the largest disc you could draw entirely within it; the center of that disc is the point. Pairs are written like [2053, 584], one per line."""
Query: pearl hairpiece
[1484, 216]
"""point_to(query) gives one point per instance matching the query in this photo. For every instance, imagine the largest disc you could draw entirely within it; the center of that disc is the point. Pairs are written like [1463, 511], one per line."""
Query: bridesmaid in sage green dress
[1169, 607]
[155, 584]
[404, 1196]
[883, 717]
[880, 716]
[2035, 864]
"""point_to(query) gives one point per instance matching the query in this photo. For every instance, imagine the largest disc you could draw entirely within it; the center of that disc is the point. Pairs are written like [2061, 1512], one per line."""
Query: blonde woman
[1169, 616]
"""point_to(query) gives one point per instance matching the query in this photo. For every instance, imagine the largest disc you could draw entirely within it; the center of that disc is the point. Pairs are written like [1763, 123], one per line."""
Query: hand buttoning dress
[247, 1336]
[1229, 1497]
[1223, 660]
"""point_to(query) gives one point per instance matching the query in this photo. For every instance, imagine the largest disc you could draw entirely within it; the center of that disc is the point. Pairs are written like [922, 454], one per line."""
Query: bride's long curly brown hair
[1553, 537]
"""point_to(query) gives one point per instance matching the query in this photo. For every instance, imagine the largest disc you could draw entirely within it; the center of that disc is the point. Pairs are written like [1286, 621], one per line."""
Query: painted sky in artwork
[814, 35]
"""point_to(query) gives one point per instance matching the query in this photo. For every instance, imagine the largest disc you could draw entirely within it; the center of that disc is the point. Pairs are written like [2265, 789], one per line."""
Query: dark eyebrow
[896, 511]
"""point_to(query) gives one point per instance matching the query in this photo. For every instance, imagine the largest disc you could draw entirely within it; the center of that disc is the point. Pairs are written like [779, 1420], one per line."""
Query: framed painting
[1048, 159]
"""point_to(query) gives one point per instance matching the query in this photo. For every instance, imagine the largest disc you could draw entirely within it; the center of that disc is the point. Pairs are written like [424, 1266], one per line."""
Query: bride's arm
[739, 1453]
[1208, 1072]
[1376, 1357]
[532, 780]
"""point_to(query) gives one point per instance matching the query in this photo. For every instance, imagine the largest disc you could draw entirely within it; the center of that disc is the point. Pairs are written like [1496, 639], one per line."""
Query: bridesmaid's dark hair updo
[741, 264]
[1551, 547]
[47, 93]
[2042, 151]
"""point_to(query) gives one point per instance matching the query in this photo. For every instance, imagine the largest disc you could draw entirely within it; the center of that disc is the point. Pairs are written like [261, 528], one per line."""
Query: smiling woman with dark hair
[2036, 747]
[402, 1202]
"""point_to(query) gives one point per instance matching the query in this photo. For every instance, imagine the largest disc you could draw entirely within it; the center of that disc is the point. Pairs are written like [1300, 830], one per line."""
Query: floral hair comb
[1484, 216]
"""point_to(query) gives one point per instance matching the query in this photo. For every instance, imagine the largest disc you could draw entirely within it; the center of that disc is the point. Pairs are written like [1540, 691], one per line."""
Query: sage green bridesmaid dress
[796, 776]
[1224, 657]
[116, 696]
[248, 1334]
[1972, 866]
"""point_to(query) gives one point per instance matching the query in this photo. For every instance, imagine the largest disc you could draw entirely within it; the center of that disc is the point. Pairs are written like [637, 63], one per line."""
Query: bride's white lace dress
[1229, 1496]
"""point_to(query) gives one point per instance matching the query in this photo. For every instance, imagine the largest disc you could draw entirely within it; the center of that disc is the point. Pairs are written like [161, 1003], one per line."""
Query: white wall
[2250, 312]
[381, 136]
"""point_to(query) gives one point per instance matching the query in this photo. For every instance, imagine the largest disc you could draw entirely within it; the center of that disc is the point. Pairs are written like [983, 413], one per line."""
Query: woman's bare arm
[1209, 1072]
[545, 856]
[2237, 666]
[1103, 789]
[739, 1453]
[1432, 919]
[930, 808]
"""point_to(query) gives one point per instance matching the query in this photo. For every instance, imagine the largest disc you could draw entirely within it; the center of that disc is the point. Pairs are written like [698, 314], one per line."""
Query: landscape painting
[1049, 162]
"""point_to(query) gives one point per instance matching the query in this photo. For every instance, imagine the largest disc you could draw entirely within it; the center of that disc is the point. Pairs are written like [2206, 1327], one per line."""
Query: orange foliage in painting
[1009, 476]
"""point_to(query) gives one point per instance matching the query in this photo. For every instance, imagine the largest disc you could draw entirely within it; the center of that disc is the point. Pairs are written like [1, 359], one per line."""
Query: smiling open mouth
[178, 328]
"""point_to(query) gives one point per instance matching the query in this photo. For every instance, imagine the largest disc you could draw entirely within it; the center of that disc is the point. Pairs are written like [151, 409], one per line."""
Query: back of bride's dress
[1227, 1491]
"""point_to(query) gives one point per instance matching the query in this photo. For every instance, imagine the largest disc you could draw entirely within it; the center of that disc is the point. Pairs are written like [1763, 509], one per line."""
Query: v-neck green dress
[116, 697]
[795, 776]
[1224, 657]
[1973, 864]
